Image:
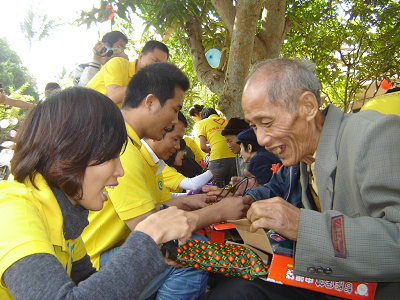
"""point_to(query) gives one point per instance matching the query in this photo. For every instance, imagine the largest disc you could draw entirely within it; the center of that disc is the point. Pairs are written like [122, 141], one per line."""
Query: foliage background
[353, 43]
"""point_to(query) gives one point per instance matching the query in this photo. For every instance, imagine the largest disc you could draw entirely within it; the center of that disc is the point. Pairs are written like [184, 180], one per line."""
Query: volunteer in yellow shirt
[114, 76]
[44, 210]
[153, 99]
[388, 103]
[222, 160]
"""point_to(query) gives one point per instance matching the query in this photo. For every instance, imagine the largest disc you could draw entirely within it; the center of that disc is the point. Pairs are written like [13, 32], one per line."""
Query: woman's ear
[249, 148]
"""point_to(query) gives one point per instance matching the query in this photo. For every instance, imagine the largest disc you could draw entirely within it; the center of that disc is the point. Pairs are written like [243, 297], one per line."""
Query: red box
[281, 269]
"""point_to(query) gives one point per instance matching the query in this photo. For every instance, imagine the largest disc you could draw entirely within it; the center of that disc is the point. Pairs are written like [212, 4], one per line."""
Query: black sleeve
[127, 272]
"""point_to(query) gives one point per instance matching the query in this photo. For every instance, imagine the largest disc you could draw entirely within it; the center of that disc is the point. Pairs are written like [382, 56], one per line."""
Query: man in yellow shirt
[114, 76]
[152, 101]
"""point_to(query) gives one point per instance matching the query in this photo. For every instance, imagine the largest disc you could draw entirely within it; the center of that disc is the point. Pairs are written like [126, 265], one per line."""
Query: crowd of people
[99, 182]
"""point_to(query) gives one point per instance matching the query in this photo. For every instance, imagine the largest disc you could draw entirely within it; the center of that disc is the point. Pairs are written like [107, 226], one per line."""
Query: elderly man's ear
[308, 105]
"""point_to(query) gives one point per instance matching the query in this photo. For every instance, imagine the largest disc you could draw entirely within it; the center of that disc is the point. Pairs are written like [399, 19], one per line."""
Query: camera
[108, 50]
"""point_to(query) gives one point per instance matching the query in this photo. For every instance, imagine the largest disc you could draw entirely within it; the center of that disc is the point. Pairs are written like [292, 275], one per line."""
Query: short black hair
[254, 148]
[182, 118]
[151, 45]
[195, 109]
[206, 112]
[114, 36]
[170, 161]
[159, 79]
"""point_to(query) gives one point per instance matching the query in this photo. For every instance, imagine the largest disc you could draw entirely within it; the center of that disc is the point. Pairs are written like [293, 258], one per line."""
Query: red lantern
[385, 84]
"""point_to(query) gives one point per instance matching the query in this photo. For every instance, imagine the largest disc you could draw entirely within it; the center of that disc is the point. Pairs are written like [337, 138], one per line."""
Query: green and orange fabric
[229, 260]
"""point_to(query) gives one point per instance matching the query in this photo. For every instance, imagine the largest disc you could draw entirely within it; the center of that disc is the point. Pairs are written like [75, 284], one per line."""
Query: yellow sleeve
[132, 197]
[80, 250]
[198, 153]
[172, 178]
[202, 130]
[27, 230]
[116, 71]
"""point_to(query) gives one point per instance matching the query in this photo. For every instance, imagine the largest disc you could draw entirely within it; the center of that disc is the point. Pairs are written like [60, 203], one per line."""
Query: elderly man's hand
[276, 214]
[252, 183]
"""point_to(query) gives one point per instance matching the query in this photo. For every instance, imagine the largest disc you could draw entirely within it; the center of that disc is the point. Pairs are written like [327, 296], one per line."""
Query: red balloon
[385, 84]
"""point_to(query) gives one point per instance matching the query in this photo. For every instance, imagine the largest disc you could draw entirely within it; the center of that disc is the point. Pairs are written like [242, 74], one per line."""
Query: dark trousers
[223, 170]
[235, 288]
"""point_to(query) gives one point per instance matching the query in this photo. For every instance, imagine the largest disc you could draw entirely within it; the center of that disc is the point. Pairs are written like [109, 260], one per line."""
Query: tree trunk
[246, 49]
[240, 54]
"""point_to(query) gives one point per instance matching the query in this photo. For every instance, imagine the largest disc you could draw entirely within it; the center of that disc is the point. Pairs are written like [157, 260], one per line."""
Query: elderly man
[350, 178]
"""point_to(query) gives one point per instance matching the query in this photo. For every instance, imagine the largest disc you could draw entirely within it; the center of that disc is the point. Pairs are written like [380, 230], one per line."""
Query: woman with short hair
[67, 150]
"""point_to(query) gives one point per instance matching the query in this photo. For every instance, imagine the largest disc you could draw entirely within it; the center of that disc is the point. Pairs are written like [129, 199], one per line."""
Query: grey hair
[286, 79]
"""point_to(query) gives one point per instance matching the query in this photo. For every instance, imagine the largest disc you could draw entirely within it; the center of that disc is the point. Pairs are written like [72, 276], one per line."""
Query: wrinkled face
[96, 178]
[285, 134]
[196, 118]
[178, 158]
[155, 56]
[245, 153]
[170, 143]
[164, 117]
[231, 141]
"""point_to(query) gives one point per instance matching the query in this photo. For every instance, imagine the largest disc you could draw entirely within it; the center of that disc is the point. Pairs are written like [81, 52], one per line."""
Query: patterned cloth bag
[229, 260]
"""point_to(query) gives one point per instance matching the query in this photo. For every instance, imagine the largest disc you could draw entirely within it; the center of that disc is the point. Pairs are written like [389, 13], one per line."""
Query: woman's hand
[169, 224]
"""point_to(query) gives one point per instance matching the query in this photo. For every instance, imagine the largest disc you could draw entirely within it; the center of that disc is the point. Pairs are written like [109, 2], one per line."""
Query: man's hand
[3, 98]
[214, 191]
[194, 202]
[97, 56]
[234, 208]
[276, 214]
[169, 224]
[123, 55]
[251, 183]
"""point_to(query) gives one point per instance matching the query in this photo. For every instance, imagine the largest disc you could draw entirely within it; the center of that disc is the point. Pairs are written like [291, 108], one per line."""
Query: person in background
[232, 129]
[45, 208]
[50, 88]
[262, 163]
[115, 40]
[222, 160]
[198, 154]
[195, 112]
[113, 78]
[14, 102]
[177, 182]
[388, 103]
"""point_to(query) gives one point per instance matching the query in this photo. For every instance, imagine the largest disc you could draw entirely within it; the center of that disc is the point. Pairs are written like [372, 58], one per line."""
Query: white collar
[159, 162]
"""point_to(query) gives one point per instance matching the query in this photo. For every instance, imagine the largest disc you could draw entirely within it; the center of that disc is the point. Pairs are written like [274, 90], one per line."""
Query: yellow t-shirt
[172, 178]
[211, 128]
[32, 222]
[198, 153]
[386, 103]
[136, 194]
[116, 71]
